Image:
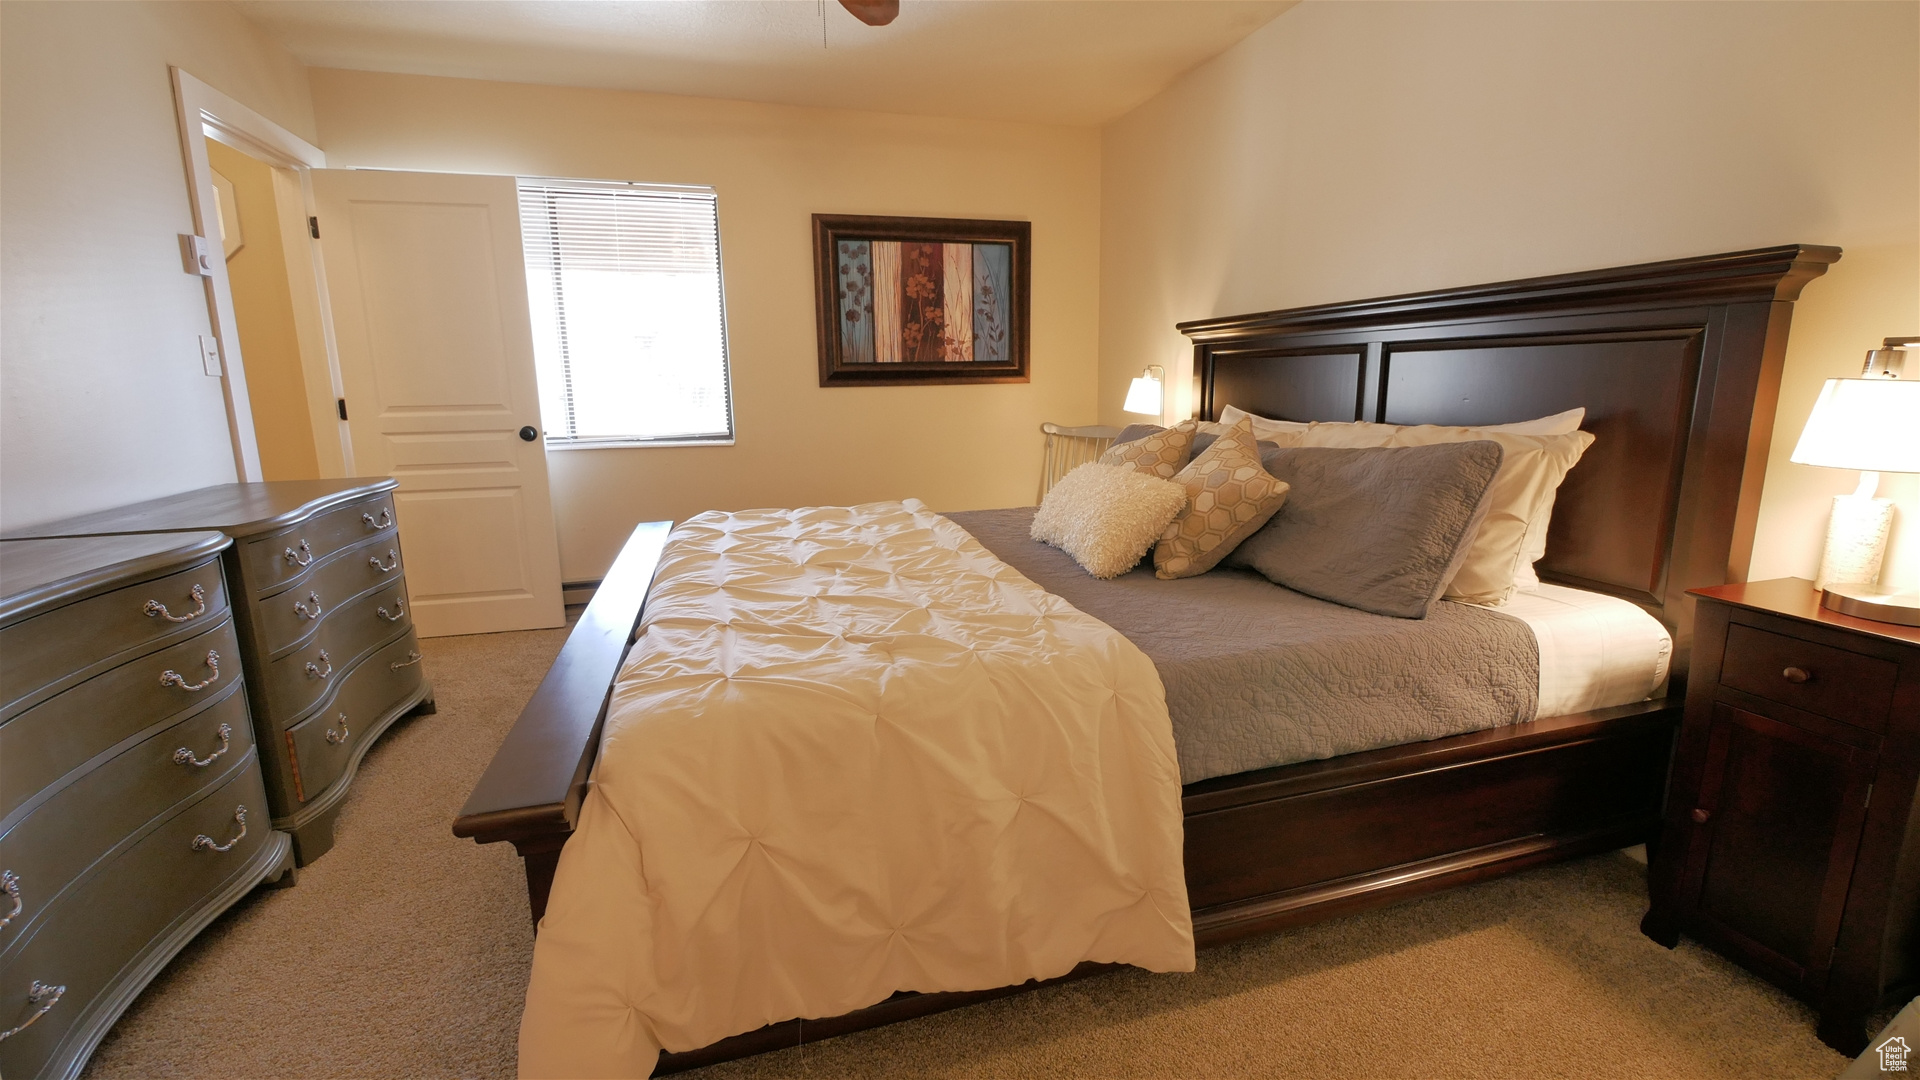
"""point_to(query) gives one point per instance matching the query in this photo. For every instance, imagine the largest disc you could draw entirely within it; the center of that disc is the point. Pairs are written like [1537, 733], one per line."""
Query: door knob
[528, 433]
[1701, 814]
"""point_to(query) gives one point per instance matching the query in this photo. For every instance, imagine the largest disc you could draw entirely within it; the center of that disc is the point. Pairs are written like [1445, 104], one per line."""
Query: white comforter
[852, 753]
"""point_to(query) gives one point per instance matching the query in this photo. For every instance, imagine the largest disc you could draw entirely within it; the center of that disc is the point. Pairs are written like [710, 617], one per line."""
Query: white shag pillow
[1107, 516]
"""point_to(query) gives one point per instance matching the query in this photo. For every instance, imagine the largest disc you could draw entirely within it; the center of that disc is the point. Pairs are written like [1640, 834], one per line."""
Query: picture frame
[921, 301]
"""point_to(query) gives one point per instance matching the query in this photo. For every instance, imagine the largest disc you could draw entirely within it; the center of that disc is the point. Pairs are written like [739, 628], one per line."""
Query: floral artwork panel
[923, 303]
[959, 297]
[856, 301]
[992, 285]
[905, 300]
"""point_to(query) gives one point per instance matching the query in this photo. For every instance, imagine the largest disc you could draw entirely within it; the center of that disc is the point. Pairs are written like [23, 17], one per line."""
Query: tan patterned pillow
[1160, 454]
[1229, 496]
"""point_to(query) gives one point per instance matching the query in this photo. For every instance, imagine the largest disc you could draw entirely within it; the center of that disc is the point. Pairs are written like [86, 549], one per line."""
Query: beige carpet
[403, 953]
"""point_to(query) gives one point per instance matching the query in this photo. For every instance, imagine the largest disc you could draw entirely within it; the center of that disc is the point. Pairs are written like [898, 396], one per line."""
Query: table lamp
[1871, 423]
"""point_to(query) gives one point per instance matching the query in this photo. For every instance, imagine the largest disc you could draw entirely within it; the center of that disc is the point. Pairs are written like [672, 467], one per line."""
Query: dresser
[132, 806]
[321, 613]
[1790, 844]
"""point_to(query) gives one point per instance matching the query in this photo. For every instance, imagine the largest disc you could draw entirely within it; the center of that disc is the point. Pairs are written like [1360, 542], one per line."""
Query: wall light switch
[210, 356]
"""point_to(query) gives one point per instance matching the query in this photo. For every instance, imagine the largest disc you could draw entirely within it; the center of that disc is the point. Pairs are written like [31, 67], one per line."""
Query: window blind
[629, 322]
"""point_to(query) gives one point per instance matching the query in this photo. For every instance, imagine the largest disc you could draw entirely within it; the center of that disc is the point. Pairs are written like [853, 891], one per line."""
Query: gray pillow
[1381, 529]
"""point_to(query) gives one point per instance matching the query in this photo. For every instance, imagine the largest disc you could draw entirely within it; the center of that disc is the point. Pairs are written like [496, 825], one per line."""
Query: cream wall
[102, 398]
[773, 166]
[1348, 150]
[263, 312]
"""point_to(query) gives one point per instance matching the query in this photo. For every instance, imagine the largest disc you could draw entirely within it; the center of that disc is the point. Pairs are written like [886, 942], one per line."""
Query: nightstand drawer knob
[1701, 814]
[1797, 675]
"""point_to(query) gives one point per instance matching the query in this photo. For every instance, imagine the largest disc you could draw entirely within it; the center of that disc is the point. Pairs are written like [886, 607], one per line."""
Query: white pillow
[1279, 432]
[1107, 516]
[1564, 423]
[1532, 548]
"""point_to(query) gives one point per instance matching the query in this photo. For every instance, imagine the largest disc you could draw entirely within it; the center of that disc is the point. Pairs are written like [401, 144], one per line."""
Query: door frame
[204, 113]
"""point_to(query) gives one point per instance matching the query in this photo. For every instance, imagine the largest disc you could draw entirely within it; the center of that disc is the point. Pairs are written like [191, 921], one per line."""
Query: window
[629, 320]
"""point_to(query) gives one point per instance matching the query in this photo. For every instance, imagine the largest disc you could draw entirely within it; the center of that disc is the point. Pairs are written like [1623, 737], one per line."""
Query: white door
[429, 302]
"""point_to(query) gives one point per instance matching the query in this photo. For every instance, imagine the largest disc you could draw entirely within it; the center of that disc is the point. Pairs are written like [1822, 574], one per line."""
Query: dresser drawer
[54, 844]
[123, 908]
[51, 739]
[47, 648]
[288, 618]
[1821, 679]
[319, 747]
[297, 680]
[275, 560]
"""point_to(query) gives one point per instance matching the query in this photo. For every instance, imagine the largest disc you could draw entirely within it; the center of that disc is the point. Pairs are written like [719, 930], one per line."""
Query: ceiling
[1045, 61]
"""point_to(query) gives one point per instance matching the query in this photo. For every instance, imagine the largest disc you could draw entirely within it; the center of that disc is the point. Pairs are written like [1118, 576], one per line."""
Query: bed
[1677, 365]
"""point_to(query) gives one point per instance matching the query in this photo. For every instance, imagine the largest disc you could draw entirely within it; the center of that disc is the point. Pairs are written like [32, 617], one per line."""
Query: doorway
[268, 198]
[259, 214]
[425, 367]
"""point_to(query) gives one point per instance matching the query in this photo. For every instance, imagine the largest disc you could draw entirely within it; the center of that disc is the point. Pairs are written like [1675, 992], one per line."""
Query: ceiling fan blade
[873, 12]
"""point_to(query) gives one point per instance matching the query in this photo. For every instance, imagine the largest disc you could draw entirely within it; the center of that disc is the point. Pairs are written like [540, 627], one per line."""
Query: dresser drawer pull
[203, 842]
[1797, 675]
[306, 612]
[393, 562]
[184, 756]
[315, 671]
[199, 594]
[174, 678]
[1701, 814]
[338, 737]
[385, 519]
[413, 657]
[292, 555]
[10, 884]
[399, 611]
[37, 993]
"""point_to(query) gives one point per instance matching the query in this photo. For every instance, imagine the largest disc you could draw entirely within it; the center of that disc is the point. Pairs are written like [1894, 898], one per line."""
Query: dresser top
[1796, 598]
[36, 575]
[239, 510]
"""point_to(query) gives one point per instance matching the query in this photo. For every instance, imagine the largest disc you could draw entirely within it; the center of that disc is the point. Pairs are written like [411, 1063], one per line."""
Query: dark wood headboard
[1677, 364]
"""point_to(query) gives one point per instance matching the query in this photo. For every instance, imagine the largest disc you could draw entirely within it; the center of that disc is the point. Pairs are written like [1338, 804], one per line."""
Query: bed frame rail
[531, 792]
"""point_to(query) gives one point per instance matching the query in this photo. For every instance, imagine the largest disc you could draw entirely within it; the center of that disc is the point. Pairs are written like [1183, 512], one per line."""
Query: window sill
[635, 444]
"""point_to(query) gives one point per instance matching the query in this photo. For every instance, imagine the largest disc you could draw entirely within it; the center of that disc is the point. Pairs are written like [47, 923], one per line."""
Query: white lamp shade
[1144, 396]
[1868, 424]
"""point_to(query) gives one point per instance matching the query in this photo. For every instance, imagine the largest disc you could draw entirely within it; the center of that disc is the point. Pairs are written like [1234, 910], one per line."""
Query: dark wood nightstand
[1790, 843]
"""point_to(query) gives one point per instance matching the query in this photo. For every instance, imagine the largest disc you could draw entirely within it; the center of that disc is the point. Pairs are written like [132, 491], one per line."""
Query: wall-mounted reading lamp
[1144, 396]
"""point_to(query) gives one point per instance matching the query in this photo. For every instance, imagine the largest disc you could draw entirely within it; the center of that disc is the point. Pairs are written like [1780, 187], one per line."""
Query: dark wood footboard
[531, 792]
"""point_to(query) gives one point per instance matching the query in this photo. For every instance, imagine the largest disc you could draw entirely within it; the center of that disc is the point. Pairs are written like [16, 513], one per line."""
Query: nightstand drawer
[1830, 682]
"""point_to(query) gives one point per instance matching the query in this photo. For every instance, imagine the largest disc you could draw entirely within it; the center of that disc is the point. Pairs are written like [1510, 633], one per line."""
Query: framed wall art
[905, 300]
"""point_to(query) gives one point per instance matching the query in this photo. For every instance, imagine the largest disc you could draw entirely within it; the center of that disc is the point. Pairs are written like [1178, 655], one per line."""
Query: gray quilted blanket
[1257, 675]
